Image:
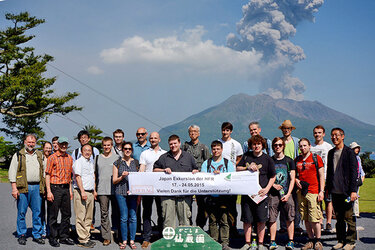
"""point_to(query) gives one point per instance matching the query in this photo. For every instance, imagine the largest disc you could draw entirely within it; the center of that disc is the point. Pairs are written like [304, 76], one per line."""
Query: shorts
[275, 205]
[309, 207]
[252, 212]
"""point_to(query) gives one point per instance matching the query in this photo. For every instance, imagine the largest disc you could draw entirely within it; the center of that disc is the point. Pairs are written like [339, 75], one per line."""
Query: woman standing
[47, 150]
[127, 203]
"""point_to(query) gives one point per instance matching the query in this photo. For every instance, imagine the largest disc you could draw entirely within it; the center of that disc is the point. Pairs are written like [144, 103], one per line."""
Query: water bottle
[281, 192]
[254, 244]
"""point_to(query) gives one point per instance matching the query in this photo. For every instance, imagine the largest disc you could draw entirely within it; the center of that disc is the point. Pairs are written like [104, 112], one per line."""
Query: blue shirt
[218, 166]
[138, 149]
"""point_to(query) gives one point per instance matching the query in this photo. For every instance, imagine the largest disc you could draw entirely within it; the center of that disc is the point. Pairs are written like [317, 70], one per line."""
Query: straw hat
[287, 124]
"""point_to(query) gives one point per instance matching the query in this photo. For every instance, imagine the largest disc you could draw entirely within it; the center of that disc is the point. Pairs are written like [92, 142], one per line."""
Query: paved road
[8, 240]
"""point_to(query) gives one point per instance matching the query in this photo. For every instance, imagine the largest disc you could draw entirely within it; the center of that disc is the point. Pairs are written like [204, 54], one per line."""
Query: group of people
[295, 177]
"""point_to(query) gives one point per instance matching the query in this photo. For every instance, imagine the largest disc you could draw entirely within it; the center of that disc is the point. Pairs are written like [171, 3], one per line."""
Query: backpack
[209, 165]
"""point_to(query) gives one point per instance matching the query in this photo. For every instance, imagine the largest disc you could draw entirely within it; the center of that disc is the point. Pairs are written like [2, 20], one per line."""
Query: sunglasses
[129, 149]
[137, 134]
[278, 145]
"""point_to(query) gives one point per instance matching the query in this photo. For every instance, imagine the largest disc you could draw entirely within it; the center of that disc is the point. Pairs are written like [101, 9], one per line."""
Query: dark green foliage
[7, 149]
[26, 96]
[368, 165]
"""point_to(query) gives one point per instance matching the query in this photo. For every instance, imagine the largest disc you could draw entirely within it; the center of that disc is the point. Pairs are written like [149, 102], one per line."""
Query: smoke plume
[266, 27]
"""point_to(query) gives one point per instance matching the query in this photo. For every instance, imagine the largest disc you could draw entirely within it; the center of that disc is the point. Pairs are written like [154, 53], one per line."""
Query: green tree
[368, 165]
[7, 149]
[26, 96]
[95, 135]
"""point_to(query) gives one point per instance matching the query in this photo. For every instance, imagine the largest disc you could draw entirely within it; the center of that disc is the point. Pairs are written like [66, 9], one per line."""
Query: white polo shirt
[85, 169]
[149, 156]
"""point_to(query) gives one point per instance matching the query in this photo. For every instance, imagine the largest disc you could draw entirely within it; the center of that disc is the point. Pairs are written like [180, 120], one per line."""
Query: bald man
[146, 161]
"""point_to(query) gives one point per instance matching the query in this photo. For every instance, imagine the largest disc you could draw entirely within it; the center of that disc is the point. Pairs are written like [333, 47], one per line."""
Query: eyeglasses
[278, 145]
[138, 134]
[129, 149]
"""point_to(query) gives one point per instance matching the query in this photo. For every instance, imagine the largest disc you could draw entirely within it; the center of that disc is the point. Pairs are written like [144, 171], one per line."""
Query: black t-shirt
[283, 168]
[265, 164]
[185, 163]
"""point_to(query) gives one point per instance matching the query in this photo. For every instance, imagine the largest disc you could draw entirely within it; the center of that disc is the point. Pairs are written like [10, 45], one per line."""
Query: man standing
[290, 150]
[118, 137]
[27, 181]
[59, 193]
[252, 212]
[217, 206]
[342, 184]
[280, 198]
[104, 188]
[147, 160]
[200, 152]
[176, 160]
[255, 129]
[232, 151]
[84, 195]
[84, 138]
[310, 183]
[142, 144]
[321, 148]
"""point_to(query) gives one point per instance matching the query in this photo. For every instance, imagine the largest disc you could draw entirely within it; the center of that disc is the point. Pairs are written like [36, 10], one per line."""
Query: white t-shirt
[322, 151]
[149, 156]
[231, 150]
[85, 169]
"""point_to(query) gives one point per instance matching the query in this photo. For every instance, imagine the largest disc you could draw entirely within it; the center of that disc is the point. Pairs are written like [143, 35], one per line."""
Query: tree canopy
[26, 96]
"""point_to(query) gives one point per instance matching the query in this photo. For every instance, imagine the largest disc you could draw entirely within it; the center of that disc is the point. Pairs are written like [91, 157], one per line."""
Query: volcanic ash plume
[266, 27]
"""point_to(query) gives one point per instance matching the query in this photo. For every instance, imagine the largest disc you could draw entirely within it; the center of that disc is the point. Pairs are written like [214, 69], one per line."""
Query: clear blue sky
[168, 59]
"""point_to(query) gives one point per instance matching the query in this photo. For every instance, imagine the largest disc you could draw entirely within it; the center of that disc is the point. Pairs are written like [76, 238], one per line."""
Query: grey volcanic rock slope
[241, 109]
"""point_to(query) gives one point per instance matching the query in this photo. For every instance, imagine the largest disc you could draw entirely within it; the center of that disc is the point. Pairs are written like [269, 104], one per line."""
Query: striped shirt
[60, 168]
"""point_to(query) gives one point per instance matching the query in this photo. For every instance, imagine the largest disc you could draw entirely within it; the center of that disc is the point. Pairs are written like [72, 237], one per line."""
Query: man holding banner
[217, 206]
[176, 160]
[257, 211]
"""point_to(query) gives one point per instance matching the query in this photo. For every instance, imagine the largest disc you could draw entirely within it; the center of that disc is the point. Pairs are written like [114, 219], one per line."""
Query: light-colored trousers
[84, 211]
[176, 205]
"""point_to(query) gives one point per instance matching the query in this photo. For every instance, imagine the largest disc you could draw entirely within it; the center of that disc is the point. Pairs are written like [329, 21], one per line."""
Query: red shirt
[60, 168]
[307, 172]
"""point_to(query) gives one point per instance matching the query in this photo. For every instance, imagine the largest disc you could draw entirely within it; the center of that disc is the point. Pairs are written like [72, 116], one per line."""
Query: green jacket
[21, 179]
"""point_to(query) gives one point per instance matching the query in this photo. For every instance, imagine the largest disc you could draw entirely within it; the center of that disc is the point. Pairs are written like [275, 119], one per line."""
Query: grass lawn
[3, 175]
[367, 196]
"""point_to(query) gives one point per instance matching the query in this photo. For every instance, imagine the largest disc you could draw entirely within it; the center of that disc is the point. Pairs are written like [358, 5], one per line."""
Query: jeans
[128, 207]
[34, 200]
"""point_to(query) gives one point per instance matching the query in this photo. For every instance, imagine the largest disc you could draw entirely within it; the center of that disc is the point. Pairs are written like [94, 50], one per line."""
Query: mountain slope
[241, 109]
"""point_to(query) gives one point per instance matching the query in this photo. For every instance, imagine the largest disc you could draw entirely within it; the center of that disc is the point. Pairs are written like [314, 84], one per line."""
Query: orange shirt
[60, 168]
[307, 172]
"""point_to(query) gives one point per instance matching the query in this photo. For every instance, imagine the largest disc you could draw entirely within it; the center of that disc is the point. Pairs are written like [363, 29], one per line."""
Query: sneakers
[254, 245]
[245, 247]
[318, 245]
[349, 246]
[308, 245]
[67, 241]
[261, 247]
[54, 242]
[273, 245]
[328, 227]
[290, 245]
[22, 240]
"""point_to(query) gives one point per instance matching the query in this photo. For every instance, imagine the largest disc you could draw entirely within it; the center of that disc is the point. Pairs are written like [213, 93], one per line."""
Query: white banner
[182, 183]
